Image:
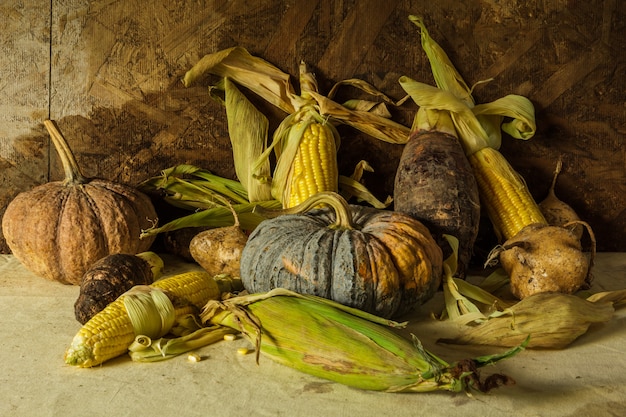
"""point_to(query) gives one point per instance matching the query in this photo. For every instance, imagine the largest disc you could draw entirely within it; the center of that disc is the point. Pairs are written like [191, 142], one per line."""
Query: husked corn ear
[504, 194]
[342, 344]
[314, 167]
[190, 290]
[109, 333]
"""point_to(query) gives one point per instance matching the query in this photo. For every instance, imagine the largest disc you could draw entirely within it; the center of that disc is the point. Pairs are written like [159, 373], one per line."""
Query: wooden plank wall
[109, 73]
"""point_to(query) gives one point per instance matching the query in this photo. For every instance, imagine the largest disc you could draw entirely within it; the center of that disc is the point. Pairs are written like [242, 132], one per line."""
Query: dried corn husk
[146, 349]
[552, 320]
[248, 130]
[345, 345]
[478, 125]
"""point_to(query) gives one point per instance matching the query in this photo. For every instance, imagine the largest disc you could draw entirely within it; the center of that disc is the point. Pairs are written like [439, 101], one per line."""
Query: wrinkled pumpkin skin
[387, 265]
[59, 230]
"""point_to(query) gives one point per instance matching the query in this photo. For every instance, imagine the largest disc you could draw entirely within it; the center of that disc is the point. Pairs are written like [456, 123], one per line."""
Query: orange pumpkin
[59, 229]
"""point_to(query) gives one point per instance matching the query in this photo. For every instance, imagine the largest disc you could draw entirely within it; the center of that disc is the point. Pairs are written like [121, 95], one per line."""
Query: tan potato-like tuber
[542, 259]
[218, 250]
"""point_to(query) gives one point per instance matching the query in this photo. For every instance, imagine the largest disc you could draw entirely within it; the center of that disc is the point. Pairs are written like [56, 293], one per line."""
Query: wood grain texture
[109, 72]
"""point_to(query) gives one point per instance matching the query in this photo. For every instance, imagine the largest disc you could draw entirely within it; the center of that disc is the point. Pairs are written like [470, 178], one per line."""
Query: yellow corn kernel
[504, 194]
[109, 333]
[314, 168]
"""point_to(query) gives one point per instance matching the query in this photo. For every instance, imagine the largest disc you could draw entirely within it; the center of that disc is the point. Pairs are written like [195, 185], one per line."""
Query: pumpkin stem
[73, 175]
[329, 198]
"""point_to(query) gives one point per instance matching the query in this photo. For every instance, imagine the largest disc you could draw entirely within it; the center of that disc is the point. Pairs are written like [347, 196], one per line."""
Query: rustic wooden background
[109, 72]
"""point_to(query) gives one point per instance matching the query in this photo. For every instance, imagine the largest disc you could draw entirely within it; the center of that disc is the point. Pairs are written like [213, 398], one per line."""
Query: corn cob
[109, 333]
[505, 196]
[314, 167]
[342, 344]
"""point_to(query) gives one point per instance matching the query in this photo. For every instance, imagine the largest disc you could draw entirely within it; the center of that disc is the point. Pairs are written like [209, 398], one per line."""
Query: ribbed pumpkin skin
[387, 265]
[58, 229]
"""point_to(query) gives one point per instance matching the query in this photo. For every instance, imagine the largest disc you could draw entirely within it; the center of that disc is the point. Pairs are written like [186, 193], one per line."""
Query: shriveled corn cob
[342, 344]
[314, 167]
[504, 194]
[109, 333]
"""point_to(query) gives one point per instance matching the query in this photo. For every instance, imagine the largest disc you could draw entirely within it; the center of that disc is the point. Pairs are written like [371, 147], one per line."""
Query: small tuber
[218, 250]
[543, 258]
[556, 211]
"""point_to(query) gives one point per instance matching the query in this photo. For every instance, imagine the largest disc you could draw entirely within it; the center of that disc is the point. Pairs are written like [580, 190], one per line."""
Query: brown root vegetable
[556, 211]
[435, 185]
[543, 258]
[218, 251]
[110, 277]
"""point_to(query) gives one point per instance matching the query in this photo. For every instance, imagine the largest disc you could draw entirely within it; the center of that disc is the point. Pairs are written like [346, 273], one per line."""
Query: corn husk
[210, 198]
[249, 71]
[146, 349]
[551, 320]
[248, 130]
[548, 320]
[345, 345]
[150, 310]
[352, 187]
[478, 125]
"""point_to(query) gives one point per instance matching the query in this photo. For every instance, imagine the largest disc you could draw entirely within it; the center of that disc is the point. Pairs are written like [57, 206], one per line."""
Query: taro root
[59, 229]
[110, 277]
[434, 184]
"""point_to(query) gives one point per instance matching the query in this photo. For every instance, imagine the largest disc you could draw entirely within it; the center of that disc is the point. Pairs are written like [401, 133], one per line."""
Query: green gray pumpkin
[379, 261]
